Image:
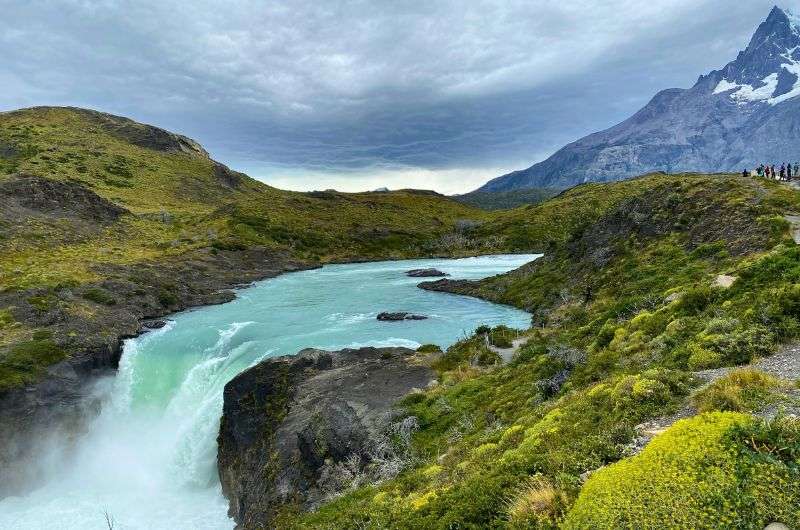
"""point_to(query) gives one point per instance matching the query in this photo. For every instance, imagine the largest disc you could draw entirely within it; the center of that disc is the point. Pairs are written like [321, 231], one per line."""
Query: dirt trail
[794, 220]
[507, 354]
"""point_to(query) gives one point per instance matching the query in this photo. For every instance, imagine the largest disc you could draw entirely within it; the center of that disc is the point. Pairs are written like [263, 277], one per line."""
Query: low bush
[167, 298]
[717, 470]
[502, 337]
[537, 504]
[101, 296]
[742, 390]
[26, 361]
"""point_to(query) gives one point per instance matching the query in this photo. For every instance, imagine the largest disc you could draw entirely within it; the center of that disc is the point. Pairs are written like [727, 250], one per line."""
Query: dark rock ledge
[396, 317]
[296, 430]
[426, 273]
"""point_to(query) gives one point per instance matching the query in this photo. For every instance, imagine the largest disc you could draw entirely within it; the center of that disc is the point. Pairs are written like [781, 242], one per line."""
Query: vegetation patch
[26, 361]
[100, 296]
[717, 470]
[744, 390]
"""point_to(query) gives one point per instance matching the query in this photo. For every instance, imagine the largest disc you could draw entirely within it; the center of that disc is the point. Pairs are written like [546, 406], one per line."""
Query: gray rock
[396, 317]
[299, 429]
[701, 129]
[426, 273]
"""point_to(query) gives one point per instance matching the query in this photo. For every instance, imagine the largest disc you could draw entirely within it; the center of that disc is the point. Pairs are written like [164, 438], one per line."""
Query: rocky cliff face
[731, 119]
[297, 430]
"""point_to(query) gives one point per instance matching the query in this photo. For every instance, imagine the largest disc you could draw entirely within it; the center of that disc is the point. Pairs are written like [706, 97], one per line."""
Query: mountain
[731, 119]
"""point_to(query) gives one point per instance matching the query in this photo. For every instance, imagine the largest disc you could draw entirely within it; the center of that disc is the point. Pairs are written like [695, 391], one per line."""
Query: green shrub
[41, 303]
[502, 337]
[167, 298]
[701, 358]
[736, 346]
[101, 296]
[695, 300]
[26, 361]
[429, 348]
[6, 318]
[740, 391]
[701, 473]
[228, 244]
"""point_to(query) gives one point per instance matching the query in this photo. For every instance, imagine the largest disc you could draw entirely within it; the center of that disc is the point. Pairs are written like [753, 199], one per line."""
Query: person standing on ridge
[772, 171]
[788, 171]
[783, 172]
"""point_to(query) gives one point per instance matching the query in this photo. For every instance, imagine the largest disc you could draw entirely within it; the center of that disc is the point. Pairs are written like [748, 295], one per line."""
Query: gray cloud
[292, 90]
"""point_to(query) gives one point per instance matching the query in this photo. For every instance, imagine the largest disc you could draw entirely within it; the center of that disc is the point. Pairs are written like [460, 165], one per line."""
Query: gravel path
[507, 354]
[785, 365]
[794, 220]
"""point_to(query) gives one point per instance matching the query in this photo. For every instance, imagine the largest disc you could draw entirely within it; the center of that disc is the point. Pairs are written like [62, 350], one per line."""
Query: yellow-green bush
[701, 358]
[741, 390]
[537, 504]
[716, 470]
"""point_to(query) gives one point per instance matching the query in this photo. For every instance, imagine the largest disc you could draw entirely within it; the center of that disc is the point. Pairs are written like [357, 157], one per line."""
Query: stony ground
[784, 365]
[507, 354]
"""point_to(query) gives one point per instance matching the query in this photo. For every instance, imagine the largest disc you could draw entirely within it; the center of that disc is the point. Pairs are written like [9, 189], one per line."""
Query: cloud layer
[352, 92]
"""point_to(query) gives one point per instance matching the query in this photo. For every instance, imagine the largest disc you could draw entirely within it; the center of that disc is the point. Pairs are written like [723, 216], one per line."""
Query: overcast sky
[354, 95]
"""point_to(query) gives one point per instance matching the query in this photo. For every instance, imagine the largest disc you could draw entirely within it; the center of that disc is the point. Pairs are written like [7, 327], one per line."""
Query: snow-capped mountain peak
[769, 69]
[732, 119]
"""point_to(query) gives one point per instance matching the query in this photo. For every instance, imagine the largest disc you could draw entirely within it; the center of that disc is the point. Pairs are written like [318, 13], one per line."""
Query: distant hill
[731, 119]
[487, 200]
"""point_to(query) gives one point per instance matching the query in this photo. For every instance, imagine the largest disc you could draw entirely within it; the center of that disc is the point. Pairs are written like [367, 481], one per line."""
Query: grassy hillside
[627, 305]
[506, 200]
[103, 218]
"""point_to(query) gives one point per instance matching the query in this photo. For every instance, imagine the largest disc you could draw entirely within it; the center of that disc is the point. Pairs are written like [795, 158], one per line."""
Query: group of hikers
[785, 172]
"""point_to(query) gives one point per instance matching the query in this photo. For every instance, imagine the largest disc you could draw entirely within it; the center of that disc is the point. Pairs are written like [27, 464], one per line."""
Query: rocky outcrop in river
[397, 317]
[426, 273]
[298, 430]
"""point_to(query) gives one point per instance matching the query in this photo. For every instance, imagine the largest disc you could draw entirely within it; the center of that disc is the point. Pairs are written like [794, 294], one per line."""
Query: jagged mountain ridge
[731, 119]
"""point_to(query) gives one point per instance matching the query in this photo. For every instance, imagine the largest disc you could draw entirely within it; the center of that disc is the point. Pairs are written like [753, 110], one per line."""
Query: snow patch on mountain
[744, 94]
[794, 20]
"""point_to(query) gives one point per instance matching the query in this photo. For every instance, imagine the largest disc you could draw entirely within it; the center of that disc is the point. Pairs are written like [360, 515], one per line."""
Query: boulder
[426, 273]
[300, 429]
[396, 317]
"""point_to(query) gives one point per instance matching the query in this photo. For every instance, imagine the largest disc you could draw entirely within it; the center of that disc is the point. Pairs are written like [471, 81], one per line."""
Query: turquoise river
[148, 460]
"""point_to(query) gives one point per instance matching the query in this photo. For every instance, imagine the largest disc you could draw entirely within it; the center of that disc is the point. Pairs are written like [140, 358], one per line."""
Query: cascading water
[149, 458]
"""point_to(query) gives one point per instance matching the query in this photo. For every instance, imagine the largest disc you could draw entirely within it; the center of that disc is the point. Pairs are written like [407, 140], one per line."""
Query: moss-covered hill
[104, 221]
[633, 296]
